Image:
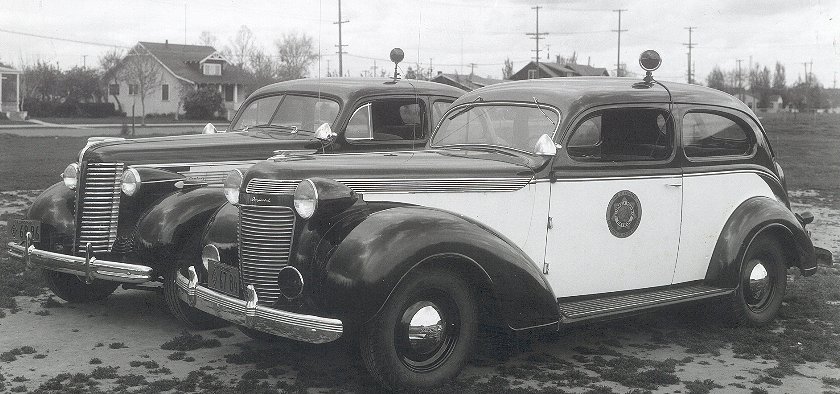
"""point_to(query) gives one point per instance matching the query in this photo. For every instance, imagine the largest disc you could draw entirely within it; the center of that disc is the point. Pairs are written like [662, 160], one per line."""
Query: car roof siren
[397, 55]
[649, 60]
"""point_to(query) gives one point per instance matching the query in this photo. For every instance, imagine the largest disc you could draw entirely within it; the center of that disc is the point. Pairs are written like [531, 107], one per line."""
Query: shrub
[202, 103]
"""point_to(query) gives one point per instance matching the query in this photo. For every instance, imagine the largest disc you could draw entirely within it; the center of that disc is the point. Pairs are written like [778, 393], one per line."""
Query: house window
[114, 89]
[228, 93]
[212, 69]
[164, 92]
[133, 89]
[532, 74]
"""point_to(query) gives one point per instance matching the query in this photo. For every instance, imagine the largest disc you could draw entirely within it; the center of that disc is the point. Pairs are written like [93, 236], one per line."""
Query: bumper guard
[305, 328]
[88, 267]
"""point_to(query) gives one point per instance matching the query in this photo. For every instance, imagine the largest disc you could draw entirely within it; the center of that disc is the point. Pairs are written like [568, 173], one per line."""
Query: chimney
[440, 72]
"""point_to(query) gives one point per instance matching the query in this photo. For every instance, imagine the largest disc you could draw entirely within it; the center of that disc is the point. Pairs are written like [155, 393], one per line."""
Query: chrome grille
[99, 206]
[271, 186]
[265, 241]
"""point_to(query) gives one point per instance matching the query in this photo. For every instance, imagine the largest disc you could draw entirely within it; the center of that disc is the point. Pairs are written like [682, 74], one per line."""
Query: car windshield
[303, 113]
[516, 126]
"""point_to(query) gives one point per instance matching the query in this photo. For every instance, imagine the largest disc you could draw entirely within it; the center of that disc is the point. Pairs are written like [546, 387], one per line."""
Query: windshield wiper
[543, 112]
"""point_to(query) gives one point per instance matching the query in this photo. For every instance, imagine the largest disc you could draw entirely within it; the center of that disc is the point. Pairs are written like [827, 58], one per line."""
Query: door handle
[674, 185]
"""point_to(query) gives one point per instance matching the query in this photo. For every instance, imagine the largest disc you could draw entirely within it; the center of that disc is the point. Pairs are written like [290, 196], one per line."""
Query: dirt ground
[128, 343]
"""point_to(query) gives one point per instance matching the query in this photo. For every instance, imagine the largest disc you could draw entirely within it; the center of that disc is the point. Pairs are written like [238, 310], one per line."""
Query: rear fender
[369, 262]
[754, 217]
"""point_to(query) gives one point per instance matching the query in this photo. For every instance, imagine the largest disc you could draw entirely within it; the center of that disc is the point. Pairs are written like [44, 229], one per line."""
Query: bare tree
[143, 71]
[296, 54]
[241, 47]
[108, 63]
[207, 38]
[262, 68]
[507, 70]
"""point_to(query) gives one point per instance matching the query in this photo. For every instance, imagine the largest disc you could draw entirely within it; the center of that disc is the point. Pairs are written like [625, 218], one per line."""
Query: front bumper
[305, 328]
[88, 267]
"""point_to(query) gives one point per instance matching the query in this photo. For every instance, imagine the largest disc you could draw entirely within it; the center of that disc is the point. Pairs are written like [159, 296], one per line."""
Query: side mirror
[545, 146]
[325, 133]
[209, 129]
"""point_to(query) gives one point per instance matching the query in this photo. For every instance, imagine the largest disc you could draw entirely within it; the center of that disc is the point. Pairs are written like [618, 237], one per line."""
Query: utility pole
[340, 44]
[618, 58]
[328, 67]
[472, 68]
[374, 68]
[84, 61]
[834, 86]
[430, 69]
[536, 36]
[548, 52]
[740, 95]
[690, 45]
[805, 64]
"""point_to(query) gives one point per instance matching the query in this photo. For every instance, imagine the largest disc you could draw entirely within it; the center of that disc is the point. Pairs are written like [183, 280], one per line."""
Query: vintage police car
[130, 211]
[539, 203]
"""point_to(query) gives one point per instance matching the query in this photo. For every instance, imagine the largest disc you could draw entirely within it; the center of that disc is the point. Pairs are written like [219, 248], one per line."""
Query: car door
[615, 207]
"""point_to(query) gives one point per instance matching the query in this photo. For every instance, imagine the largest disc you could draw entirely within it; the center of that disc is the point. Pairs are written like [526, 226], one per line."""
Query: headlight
[130, 182]
[233, 183]
[71, 176]
[306, 199]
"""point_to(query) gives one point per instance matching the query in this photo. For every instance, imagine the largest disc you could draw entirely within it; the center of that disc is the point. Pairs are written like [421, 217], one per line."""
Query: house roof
[465, 82]
[184, 62]
[8, 69]
[587, 71]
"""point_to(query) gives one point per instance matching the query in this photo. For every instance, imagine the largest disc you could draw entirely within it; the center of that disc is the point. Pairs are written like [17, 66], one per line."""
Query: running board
[576, 310]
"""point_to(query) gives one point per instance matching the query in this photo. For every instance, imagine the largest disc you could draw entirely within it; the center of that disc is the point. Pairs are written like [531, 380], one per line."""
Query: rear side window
[712, 135]
[388, 120]
[623, 134]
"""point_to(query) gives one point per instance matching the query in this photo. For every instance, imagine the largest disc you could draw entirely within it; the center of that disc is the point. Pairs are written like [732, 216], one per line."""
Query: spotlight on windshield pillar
[397, 55]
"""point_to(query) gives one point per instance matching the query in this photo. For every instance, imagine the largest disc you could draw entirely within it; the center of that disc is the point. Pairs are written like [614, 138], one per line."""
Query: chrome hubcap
[425, 328]
[759, 281]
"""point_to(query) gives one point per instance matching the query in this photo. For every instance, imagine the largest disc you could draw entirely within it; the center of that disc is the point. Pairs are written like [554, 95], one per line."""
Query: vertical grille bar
[265, 241]
[99, 206]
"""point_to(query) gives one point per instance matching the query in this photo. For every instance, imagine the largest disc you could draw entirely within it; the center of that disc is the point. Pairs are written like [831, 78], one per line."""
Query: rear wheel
[761, 284]
[424, 333]
[192, 317]
[71, 288]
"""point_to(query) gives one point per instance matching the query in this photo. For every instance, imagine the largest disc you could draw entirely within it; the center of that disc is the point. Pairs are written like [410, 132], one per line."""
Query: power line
[618, 58]
[690, 45]
[64, 39]
[536, 36]
[340, 45]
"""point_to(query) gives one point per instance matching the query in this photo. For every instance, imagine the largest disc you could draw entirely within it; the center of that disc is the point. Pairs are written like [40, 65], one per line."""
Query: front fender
[369, 262]
[758, 215]
[221, 232]
[55, 209]
[172, 229]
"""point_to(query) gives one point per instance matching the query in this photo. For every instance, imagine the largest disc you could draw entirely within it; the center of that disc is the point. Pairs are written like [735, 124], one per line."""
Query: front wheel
[761, 284]
[424, 333]
[192, 317]
[71, 288]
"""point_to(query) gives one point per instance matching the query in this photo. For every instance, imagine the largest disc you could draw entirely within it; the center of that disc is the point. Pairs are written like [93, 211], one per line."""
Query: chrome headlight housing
[306, 199]
[233, 183]
[71, 176]
[130, 182]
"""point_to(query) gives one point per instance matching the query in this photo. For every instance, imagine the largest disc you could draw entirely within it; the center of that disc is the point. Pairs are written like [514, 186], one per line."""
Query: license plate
[223, 278]
[19, 227]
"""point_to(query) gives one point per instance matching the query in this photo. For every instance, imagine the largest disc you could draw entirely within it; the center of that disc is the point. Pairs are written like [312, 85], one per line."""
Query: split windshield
[299, 113]
[516, 126]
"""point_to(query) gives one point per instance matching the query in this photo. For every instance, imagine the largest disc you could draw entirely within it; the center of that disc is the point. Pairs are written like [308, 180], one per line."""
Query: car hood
[252, 145]
[394, 165]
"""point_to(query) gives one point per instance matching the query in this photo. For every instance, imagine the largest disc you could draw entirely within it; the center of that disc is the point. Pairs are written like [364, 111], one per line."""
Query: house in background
[560, 68]
[775, 104]
[182, 67]
[465, 82]
[10, 92]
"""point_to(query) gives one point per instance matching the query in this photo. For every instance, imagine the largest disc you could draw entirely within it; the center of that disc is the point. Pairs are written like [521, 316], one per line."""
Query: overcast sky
[450, 34]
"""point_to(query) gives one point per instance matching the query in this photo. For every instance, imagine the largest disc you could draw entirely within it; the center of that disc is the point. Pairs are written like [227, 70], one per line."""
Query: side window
[710, 135]
[624, 134]
[359, 126]
[388, 120]
[438, 109]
